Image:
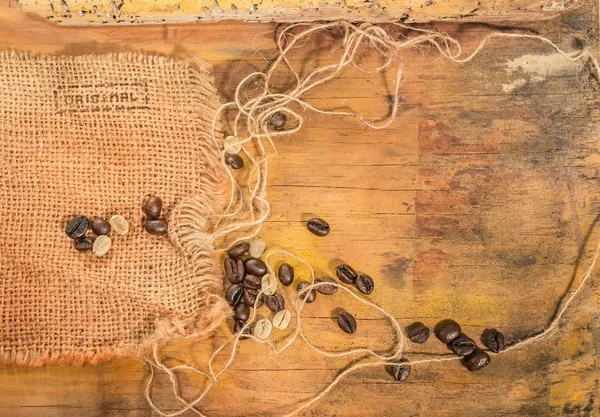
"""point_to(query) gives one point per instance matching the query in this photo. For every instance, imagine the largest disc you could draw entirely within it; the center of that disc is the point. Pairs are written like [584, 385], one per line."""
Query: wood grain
[474, 205]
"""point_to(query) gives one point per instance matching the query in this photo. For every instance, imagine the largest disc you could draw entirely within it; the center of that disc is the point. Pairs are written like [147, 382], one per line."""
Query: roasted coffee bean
[447, 330]
[238, 250]
[262, 329]
[346, 322]
[250, 298]
[77, 227]
[101, 246]
[476, 360]
[153, 207]
[286, 274]
[100, 226]
[257, 247]
[463, 345]
[418, 332]
[326, 289]
[255, 266]
[268, 284]
[252, 282]
[399, 372]
[119, 225]
[234, 270]
[275, 302]
[241, 312]
[281, 320]
[493, 340]
[157, 227]
[235, 161]
[346, 274]
[83, 244]
[310, 296]
[239, 325]
[234, 294]
[364, 284]
[277, 121]
[318, 227]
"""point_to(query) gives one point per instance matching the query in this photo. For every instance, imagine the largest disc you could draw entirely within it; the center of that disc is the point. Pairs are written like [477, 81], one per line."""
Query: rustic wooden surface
[123, 12]
[473, 205]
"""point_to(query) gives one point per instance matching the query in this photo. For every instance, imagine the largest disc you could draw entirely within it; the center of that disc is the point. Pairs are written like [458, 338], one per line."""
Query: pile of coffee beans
[154, 224]
[98, 242]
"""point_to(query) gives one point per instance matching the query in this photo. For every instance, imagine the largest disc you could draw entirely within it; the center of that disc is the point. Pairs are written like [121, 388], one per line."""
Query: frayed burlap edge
[189, 231]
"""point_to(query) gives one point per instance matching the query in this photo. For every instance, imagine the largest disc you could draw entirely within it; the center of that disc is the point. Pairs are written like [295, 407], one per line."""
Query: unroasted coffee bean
[234, 294]
[493, 340]
[255, 266]
[447, 330]
[399, 372]
[235, 161]
[101, 246]
[153, 207]
[275, 302]
[326, 289]
[238, 250]
[100, 226]
[318, 227]
[250, 297]
[476, 360]
[262, 329]
[239, 325]
[241, 312]
[119, 225]
[157, 227]
[364, 284]
[346, 274]
[309, 296]
[277, 121]
[281, 320]
[231, 144]
[418, 332]
[83, 244]
[252, 282]
[268, 284]
[286, 274]
[257, 247]
[77, 227]
[346, 322]
[234, 270]
[463, 345]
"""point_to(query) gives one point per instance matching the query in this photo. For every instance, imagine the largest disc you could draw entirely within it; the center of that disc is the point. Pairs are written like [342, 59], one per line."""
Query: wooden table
[473, 205]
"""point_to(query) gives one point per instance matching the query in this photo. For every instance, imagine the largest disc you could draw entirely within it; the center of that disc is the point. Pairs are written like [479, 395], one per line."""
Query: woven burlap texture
[97, 135]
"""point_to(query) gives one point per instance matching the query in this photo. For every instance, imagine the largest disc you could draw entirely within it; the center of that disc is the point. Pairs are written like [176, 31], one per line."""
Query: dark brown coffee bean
[100, 226]
[77, 227]
[255, 266]
[234, 270]
[364, 284]
[346, 274]
[286, 274]
[277, 121]
[318, 227]
[275, 302]
[250, 298]
[241, 312]
[157, 227]
[493, 340]
[326, 289]
[235, 161]
[346, 322]
[83, 244]
[418, 332]
[153, 207]
[476, 360]
[239, 325]
[463, 345]
[447, 330]
[234, 294]
[310, 296]
[238, 250]
[252, 282]
[399, 372]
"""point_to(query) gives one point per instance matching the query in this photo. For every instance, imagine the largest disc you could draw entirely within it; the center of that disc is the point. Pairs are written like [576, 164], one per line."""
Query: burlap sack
[96, 135]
